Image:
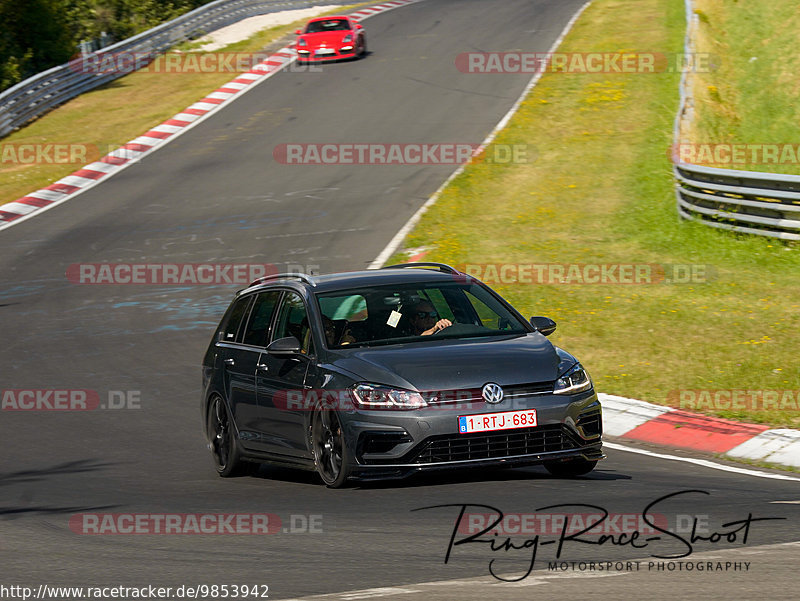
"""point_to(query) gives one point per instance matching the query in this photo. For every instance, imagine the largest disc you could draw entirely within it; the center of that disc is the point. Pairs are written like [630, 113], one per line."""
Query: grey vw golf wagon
[383, 373]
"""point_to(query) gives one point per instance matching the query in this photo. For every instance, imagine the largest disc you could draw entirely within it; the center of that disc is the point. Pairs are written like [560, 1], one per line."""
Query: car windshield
[329, 25]
[383, 315]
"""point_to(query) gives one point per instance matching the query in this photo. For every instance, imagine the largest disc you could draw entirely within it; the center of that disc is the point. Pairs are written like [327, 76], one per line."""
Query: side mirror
[359, 26]
[545, 325]
[284, 346]
[298, 32]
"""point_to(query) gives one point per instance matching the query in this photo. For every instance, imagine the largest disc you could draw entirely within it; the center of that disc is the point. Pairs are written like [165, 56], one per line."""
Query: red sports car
[330, 38]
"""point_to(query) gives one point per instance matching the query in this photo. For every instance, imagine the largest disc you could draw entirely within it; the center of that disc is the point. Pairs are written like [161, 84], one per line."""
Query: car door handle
[229, 362]
[263, 366]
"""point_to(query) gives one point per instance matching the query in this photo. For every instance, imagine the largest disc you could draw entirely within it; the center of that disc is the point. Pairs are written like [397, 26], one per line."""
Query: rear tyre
[331, 456]
[570, 468]
[221, 434]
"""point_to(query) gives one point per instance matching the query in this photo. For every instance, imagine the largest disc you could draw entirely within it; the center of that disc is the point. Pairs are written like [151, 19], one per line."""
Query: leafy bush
[40, 34]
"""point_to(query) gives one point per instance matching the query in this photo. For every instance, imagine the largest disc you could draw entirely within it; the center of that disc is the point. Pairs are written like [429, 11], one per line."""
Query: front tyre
[570, 468]
[331, 456]
[222, 439]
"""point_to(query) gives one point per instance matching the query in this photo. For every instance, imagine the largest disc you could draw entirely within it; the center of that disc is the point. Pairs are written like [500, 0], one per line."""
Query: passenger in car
[334, 335]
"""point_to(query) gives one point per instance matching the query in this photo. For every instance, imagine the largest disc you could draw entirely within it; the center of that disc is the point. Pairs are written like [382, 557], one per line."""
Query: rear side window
[260, 318]
[233, 320]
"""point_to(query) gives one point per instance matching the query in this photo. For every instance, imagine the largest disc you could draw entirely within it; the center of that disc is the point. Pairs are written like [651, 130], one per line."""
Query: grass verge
[600, 192]
[97, 122]
[752, 95]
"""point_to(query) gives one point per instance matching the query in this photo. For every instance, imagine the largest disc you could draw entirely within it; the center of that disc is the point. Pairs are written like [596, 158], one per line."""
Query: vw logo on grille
[492, 393]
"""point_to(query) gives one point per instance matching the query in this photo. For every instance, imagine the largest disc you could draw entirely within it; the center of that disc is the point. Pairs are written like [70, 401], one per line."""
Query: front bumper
[400, 443]
[313, 55]
[592, 452]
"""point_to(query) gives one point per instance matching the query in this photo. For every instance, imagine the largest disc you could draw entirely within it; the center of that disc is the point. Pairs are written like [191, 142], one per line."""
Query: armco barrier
[40, 93]
[766, 204]
[751, 202]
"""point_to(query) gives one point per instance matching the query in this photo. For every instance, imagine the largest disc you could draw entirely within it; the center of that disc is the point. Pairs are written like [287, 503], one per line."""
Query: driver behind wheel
[425, 321]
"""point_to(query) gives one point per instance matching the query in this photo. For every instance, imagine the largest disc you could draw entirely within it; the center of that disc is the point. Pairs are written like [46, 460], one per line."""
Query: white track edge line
[700, 462]
[165, 141]
[398, 238]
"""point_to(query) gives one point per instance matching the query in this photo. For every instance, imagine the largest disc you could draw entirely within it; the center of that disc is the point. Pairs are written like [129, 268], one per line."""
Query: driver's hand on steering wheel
[440, 325]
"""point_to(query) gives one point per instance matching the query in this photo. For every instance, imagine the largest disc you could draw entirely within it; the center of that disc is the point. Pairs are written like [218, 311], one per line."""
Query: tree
[35, 36]
[40, 34]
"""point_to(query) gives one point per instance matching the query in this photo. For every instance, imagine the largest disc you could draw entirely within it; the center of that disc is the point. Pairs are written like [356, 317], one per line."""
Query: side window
[293, 321]
[260, 317]
[233, 320]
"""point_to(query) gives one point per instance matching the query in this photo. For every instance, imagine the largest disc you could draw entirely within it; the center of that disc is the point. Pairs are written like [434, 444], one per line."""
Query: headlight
[302, 42]
[375, 396]
[575, 380]
[348, 38]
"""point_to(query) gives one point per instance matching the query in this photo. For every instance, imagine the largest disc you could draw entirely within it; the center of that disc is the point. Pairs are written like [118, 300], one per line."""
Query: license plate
[326, 51]
[487, 422]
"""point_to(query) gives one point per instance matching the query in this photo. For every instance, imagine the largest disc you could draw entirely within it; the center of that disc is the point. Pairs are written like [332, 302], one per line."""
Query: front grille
[467, 395]
[465, 447]
[530, 389]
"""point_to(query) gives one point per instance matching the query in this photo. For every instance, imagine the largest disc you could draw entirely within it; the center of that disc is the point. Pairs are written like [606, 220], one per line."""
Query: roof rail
[283, 276]
[438, 266]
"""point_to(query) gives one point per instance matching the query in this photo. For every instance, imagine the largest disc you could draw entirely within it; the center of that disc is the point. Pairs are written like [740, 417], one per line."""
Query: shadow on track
[12, 512]
[281, 474]
[37, 475]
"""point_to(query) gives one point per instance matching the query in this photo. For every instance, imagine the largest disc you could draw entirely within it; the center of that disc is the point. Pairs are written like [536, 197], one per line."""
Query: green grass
[762, 464]
[100, 121]
[601, 192]
[753, 94]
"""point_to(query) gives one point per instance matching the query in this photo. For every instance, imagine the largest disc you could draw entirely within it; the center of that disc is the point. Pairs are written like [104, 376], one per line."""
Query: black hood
[455, 364]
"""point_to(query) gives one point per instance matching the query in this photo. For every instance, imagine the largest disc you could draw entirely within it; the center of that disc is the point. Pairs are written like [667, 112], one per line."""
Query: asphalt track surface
[215, 194]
